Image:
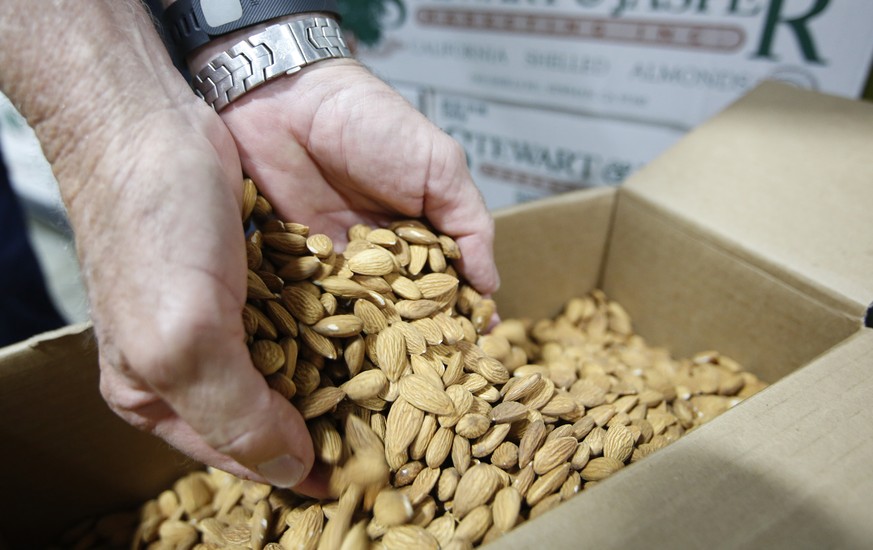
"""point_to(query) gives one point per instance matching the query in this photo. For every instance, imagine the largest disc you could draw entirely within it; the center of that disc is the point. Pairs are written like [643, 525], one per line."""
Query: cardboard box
[748, 237]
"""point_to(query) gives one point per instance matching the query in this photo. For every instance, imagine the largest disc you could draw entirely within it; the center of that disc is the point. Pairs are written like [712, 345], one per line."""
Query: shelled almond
[440, 432]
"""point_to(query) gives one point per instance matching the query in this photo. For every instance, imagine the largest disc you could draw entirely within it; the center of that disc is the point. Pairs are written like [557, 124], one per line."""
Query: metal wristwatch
[278, 50]
[193, 23]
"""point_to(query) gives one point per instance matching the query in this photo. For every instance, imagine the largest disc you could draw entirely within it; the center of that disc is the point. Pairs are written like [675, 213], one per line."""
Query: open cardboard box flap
[66, 456]
[723, 242]
[784, 175]
[788, 465]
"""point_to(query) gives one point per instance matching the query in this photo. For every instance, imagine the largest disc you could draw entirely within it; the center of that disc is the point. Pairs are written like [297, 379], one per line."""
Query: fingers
[141, 408]
[477, 263]
[235, 423]
[337, 146]
[180, 435]
[229, 405]
[189, 379]
[454, 205]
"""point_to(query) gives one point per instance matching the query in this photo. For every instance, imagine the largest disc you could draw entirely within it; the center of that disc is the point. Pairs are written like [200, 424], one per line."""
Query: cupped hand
[332, 146]
[160, 237]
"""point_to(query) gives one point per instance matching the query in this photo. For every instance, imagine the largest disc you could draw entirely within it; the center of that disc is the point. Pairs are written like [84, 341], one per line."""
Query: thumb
[234, 417]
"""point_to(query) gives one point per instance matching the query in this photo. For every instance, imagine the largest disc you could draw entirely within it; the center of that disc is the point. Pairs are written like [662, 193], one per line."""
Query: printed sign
[674, 61]
[646, 68]
[522, 153]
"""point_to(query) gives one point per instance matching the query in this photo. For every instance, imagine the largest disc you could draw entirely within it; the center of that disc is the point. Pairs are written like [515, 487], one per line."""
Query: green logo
[798, 24]
[367, 19]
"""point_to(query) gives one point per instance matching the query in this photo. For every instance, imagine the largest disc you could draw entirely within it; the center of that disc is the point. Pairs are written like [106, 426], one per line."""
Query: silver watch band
[278, 50]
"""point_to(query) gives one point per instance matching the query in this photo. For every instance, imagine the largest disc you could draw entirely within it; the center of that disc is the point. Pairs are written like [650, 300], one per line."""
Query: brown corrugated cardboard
[682, 287]
[784, 176]
[544, 259]
[690, 290]
[65, 455]
[786, 468]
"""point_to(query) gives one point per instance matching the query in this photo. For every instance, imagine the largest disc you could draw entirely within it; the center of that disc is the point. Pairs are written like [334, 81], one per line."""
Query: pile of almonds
[440, 433]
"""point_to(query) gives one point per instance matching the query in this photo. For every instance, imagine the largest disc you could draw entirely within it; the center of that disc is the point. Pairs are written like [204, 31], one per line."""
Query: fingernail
[284, 471]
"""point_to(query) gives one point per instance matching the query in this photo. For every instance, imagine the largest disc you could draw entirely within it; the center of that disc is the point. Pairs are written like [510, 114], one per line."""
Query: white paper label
[598, 88]
[674, 61]
[521, 153]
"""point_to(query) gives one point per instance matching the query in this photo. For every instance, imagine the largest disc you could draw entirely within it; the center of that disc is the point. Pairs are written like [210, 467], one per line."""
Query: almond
[419, 392]
[618, 443]
[416, 235]
[382, 237]
[508, 412]
[373, 261]
[434, 285]
[267, 356]
[405, 288]
[474, 526]
[530, 442]
[404, 537]
[507, 504]
[439, 447]
[320, 245]
[391, 352]
[417, 258]
[547, 484]
[299, 268]
[476, 487]
[553, 453]
[404, 421]
[600, 468]
[339, 326]
[365, 385]
[305, 307]
[319, 402]
[392, 508]
[256, 288]
[417, 309]
[372, 319]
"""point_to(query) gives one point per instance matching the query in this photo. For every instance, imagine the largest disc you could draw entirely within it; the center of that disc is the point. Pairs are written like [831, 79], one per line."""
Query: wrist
[279, 49]
[83, 97]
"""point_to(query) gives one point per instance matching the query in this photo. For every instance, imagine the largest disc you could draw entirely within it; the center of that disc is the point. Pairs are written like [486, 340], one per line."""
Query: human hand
[166, 274]
[153, 187]
[333, 146]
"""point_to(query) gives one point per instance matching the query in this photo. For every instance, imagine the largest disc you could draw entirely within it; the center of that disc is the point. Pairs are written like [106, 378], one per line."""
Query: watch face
[221, 12]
